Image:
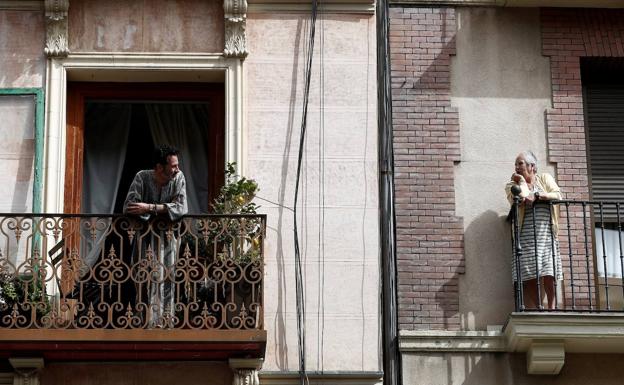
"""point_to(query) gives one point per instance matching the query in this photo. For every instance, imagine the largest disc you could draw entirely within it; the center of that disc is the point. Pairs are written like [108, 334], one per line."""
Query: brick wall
[426, 145]
[568, 35]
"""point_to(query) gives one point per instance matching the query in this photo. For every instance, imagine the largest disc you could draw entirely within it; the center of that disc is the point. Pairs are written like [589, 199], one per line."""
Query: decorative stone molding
[57, 44]
[125, 67]
[545, 357]
[235, 25]
[27, 370]
[245, 370]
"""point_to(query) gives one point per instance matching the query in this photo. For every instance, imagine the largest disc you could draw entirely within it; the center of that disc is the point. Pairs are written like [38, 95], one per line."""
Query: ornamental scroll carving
[56, 28]
[245, 370]
[246, 377]
[235, 24]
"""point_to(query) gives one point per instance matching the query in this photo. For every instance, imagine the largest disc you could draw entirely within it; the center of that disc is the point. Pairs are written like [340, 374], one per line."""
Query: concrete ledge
[581, 332]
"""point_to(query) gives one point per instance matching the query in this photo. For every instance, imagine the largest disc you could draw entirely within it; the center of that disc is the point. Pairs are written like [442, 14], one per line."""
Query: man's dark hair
[161, 153]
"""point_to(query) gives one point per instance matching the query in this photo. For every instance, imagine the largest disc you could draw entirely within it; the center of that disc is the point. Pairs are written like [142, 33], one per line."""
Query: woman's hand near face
[517, 178]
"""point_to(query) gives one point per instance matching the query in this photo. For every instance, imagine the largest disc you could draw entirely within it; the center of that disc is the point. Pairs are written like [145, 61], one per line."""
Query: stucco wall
[22, 65]
[509, 369]
[501, 88]
[146, 26]
[338, 210]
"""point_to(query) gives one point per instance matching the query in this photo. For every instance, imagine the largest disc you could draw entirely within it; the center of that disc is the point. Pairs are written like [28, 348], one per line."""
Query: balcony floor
[138, 345]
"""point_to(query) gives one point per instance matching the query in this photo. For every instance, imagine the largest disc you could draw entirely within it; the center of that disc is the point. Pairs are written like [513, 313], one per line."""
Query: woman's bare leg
[529, 293]
[549, 286]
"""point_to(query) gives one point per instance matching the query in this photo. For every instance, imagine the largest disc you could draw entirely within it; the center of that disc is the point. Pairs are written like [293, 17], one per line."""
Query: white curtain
[105, 153]
[611, 249]
[184, 126]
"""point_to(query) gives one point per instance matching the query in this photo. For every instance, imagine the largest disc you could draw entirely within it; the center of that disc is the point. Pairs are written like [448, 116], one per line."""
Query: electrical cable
[300, 297]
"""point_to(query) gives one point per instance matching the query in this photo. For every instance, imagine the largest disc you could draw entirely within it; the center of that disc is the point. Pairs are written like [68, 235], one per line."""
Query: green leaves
[236, 195]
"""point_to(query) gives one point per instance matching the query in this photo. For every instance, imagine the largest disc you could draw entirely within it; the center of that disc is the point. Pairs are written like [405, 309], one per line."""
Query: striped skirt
[539, 252]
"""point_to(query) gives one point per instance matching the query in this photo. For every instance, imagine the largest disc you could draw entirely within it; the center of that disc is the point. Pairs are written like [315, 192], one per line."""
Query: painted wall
[338, 209]
[501, 88]
[22, 65]
[146, 26]
[22, 62]
[510, 369]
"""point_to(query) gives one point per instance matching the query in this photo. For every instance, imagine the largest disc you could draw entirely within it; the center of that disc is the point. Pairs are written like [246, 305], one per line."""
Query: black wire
[298, 270]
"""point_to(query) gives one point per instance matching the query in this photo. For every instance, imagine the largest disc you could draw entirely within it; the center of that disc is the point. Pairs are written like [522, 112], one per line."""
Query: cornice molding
[57, 43]
[450, 341]
[325, 6]
[235, 25]
[21, 5]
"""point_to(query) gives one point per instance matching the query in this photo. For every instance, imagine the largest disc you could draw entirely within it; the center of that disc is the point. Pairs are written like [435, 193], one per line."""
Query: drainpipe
[390, 342]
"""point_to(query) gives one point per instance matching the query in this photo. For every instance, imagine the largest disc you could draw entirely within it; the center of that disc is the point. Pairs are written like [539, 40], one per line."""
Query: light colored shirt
[145, 190]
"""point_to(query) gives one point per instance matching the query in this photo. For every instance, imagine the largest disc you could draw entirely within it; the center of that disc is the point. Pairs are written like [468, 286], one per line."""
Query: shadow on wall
[281, 348]
[510, 369]
[486, 290]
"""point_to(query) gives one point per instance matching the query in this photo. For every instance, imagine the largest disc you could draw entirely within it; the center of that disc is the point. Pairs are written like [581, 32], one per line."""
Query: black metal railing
[118, 272]
[584, 241]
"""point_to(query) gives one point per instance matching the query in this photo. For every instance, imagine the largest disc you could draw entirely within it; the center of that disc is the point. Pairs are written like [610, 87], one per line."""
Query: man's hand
[138, 208]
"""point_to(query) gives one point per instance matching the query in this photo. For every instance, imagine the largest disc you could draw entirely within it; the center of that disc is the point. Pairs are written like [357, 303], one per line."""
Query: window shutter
[605, 120]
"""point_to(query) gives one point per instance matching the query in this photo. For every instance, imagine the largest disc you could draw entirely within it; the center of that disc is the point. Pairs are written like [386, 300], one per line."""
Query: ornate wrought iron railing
[118, 272]
[588, 238]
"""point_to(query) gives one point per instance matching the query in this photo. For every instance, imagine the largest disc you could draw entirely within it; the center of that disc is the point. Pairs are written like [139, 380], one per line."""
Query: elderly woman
[540, 249]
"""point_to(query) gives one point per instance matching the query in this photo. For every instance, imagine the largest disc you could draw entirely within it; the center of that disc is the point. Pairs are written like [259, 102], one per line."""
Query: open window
[112, 129]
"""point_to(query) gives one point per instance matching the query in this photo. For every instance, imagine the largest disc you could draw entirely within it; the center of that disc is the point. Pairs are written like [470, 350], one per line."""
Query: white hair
[529, 158]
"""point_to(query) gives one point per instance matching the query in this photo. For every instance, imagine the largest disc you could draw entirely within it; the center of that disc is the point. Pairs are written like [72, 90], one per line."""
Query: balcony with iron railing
[90, 287]
[585, 241]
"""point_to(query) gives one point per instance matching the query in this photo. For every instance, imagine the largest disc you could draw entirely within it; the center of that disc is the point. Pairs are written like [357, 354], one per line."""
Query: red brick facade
[426, 144]
[568, 35]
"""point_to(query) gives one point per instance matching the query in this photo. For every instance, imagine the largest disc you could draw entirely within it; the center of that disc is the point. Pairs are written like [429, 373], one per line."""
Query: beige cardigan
[546, 183]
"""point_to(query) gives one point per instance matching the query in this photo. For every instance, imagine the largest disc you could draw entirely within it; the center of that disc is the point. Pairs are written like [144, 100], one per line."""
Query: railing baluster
[604, 254]
[552, 248]
[570, 254]
[517, 248]
[537, 267]
[587, 256]
[101, 266]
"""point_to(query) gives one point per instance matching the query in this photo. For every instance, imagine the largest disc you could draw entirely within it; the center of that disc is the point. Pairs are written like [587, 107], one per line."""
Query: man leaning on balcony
[160, 192]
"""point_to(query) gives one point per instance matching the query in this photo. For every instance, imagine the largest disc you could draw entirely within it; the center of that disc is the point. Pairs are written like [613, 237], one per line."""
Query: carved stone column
[235, 24]
[26, 370]
[245, 370]
[56, 28]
